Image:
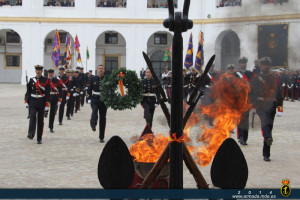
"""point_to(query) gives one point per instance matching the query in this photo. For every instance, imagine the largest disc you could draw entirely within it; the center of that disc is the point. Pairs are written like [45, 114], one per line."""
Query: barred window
[111, 38]
[12, 60]
[12, 37]
[160, 38]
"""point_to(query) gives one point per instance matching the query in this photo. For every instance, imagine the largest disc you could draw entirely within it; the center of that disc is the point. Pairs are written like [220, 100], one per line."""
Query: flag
[79, 57]
[76, 46]
[166, 56]
[56, 50]
[57, 35]
[87, 53]
[67, 54]
[189, 54]
[200, 55]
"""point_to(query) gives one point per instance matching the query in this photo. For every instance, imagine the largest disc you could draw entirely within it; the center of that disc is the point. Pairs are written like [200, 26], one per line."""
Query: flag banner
[56, 50]
[87, 53]
[79, 57]
[189, 54]
[273, 43]
[167, 53]
[200, 55]
[76, 43]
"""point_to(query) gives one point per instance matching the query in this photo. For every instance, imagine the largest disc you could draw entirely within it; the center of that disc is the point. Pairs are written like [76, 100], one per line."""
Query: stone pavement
[69, 157]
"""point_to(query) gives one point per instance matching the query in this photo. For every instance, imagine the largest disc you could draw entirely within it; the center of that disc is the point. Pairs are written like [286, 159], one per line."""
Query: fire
[149, 148]
[230, 96]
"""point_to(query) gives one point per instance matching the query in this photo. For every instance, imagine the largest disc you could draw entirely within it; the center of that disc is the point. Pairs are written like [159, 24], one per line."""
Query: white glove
[86, 88]
[46, 108]
[279, 114]
[89, 101]
[67, 98]
[26, 105]
[156, 105]
[81, 92]
[74, 95]
[58, 103]
[283, 85]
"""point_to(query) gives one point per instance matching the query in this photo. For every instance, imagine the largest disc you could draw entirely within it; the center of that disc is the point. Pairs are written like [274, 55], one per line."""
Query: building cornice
[145, 21]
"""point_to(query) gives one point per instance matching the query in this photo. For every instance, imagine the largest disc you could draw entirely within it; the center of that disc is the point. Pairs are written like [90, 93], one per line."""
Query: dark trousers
[70, 104]
[99, 106]
[62, 109]
[169, 94]
[243, 127]
[185, 93]
[72, 101]
[148, 113]
[267, 120]
[53, 108]
[77, 102]
[82, 98]
[36, 112]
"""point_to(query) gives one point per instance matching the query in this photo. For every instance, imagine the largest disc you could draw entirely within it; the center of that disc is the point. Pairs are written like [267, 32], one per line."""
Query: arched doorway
[157, 44]
[48, 47]
[227, 49]
[111, 51]
[10, 56]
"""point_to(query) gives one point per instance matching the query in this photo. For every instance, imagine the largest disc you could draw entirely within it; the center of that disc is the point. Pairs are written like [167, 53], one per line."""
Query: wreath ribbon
[121, 84]
[173, 138]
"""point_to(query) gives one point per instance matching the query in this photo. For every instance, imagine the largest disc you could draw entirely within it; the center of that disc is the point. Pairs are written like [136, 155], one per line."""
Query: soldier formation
[268, 89]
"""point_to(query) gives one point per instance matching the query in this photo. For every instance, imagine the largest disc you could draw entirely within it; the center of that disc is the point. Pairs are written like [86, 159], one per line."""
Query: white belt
[185, 86]
[169, 85]
[36, 96]
[65, 89]
[149, 94]
[266, 99]
[53, 93]
[96, 93]
[207, 86]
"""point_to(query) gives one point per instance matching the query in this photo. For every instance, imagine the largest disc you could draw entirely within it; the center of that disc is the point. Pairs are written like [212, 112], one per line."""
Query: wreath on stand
[121, 90]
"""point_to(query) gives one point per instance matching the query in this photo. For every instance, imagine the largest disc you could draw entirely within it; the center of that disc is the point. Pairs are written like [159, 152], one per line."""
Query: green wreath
[111, 92]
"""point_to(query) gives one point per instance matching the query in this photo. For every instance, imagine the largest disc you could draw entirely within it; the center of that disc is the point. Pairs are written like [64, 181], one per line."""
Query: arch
[10, 56]
[48, 46]
[227, 49]
[111, 50]
[156, 51]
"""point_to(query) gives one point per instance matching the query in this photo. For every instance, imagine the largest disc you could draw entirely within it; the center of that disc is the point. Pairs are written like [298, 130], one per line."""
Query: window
[12, 37]
[274, 1]
[62, 37]
[111, 3]
[111, 38]
[228, 3]
[11, 3]
[12, 61]
[160, 38]
[160, 3]
[111, 63]
[59, 3]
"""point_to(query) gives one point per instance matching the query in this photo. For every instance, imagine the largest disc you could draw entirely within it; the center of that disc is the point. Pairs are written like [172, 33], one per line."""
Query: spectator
[1, 3]
[142, 73]
[49, 3]
[57, 3]
[19, 3]
[64, 3]
[6, 3]
[71, 3]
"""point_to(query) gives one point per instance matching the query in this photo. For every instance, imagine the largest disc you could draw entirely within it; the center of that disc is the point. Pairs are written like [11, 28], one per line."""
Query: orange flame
[149, 148]
[230, 96]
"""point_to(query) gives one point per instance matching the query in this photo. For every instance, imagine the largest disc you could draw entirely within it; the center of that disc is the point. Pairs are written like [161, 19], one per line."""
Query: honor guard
[149, 99]
[70, 98]
[168, 86]
[193, 80]
[93, 96]
[186, 80]
[266, 96]
[84, 79]
[243, 126]
[55, 97]
[77, 86]
[64, 83]
[38, 91]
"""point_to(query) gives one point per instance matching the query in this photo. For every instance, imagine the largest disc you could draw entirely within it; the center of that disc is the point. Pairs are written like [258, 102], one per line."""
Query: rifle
[252, 123]
[26, 76]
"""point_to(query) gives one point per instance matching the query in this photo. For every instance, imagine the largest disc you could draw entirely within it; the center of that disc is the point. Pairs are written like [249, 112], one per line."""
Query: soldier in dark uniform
[186, 80]
[64, 83]
[38, 89]
[93, 96]
[55, 97]
[168, 86]
[243, 126]
[149, 99]
[266, 96]
[84, 79]
[70, 98]
[256, 69]
[77, 86]
[193, 80]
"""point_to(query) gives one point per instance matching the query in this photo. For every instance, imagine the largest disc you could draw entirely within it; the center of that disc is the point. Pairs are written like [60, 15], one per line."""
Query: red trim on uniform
[169, 93]
[237, 132]
[246, 78]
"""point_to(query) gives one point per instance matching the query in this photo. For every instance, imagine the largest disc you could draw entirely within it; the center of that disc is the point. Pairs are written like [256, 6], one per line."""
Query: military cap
[230, 66]
[50, 70]
[265, 61]
[90, 70]
[78, 68]
[77, 72]
[61, 68]
[243, 60]
[81, 68]
[39, 67]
